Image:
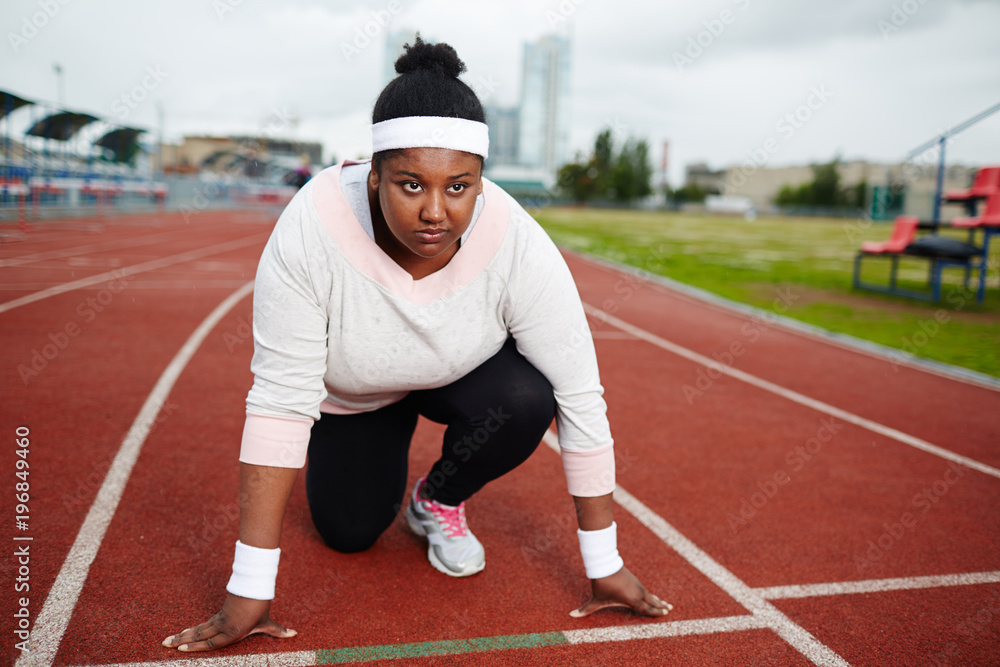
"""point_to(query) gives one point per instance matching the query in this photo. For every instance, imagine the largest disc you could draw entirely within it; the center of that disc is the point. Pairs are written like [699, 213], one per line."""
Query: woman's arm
[264, 493]
[621, 589]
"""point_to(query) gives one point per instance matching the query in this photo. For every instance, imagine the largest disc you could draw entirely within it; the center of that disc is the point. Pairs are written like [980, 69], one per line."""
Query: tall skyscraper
[544, 119]
[394, 41]
[504, 135]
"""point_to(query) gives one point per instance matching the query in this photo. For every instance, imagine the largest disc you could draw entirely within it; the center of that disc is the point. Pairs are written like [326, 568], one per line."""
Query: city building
[395, 40]
[504, 129]
[543, 128]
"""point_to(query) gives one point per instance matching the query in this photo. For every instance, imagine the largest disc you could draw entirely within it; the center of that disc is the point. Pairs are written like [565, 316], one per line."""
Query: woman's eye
[411, 187]
[457, 187]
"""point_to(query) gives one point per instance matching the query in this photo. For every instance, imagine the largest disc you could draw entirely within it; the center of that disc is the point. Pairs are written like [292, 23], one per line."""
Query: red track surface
[694, 459]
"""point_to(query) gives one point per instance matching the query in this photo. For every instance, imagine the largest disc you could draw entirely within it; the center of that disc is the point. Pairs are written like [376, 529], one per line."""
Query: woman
[410, 286]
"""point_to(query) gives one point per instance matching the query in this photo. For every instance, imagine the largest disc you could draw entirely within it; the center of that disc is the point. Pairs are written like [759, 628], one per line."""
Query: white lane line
[704, 298]
[793, 396]
[93, 247]
[696, 626]
[296, 659]
[127, 271]
[52, 621]
[799, 638]
[877, 585]
[614, 335]
[153, 284]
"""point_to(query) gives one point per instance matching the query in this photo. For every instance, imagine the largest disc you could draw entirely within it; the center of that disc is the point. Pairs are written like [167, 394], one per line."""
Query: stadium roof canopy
[123, 142]
[61, 126]
[9, 102]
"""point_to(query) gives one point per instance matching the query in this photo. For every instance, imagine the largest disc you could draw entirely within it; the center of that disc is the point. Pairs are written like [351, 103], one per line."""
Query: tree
[623, 177]
[824, 190]
[691, 192]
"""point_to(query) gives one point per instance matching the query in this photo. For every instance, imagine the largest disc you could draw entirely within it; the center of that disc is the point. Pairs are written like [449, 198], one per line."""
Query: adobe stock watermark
[980, 621]
[559, 525]
[88, 483]
[910, 170]
[921, 503]
[701, 41]
[123, 105]
[752, 330]
[239, 335]
[786, 126]
[768, 487]
[223, 7]
[60, 339]
[899, 16]
[925, 332]
[278, 121]
[562, 12]
[363, 35]
[31, 25]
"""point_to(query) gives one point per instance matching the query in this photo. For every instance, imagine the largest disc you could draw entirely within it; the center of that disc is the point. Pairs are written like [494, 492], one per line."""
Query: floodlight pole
[60, 91]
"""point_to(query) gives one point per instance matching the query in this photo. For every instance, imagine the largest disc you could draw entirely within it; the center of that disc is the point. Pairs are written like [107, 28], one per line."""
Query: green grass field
[813, 257]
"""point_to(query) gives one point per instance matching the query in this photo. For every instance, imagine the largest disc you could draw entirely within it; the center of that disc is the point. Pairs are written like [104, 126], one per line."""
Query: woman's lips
[431, 235]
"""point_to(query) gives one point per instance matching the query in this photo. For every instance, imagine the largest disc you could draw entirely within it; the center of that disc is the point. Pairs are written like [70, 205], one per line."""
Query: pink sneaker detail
[452, 518]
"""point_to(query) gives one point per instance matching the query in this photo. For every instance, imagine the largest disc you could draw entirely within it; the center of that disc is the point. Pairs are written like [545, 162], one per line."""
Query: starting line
[618, 633]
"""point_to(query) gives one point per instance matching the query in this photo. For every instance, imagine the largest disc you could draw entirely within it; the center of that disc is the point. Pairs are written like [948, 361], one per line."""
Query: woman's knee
[348, 538]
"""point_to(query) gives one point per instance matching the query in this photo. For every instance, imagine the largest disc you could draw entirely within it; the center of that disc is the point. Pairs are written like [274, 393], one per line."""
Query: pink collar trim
[361, 251]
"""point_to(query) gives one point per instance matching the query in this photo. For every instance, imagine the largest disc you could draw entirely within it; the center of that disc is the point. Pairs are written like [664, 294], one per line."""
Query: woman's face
[427, 197]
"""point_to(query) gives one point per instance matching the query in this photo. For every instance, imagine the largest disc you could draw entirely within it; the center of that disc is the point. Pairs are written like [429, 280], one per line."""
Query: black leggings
[356, 476]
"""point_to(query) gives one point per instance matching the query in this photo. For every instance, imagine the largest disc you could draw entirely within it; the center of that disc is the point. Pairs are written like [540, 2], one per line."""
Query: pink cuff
[279, 442]
[590, 473]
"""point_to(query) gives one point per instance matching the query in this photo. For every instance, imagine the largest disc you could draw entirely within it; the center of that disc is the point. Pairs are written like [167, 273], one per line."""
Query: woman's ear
[373, 179]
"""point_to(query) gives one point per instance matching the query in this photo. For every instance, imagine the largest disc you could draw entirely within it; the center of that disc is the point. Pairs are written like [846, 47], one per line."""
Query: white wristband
[254, 572]
[599, 549]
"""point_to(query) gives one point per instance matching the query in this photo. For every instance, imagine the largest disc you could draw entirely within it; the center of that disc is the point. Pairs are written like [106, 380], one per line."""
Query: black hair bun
[434, 57]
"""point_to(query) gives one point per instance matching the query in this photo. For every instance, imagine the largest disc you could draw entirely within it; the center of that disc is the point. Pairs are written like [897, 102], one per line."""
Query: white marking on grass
[793, 396]
[119, 274]
[877, 585]
[52, 621]
[799, 638]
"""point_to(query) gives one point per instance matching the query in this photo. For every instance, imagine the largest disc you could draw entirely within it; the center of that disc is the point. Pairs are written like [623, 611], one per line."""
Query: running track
[797, 501]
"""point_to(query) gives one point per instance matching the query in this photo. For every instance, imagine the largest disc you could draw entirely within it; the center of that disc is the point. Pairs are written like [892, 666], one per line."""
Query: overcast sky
[715, 78]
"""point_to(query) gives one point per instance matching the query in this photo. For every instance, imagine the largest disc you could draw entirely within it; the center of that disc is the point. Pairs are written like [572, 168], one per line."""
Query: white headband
[431, 132]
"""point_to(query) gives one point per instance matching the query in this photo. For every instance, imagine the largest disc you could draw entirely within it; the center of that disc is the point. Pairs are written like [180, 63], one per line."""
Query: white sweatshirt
[339, 327]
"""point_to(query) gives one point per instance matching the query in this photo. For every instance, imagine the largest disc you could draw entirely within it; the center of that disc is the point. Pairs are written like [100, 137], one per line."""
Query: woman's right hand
[239, 618]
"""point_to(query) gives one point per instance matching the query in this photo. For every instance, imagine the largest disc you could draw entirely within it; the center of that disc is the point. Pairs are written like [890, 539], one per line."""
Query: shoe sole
[418, 528]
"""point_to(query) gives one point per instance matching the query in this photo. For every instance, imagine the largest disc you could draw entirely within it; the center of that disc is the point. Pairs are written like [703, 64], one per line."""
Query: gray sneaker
[452, 548]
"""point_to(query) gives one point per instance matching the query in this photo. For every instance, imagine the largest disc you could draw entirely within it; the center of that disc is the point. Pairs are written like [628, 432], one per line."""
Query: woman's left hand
[622, 589]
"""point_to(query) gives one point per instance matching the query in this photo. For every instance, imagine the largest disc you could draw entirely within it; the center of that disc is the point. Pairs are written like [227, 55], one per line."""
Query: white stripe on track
[297, 659]
[51, 623]
[877, 585]
[791, 395]
[799, 638]
[696, 626]
[104, 246]
[127, 271]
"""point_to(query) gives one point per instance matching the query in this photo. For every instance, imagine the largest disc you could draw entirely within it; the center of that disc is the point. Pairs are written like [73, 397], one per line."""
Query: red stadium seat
[990, 216]
[904, 230]
[986, 183]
